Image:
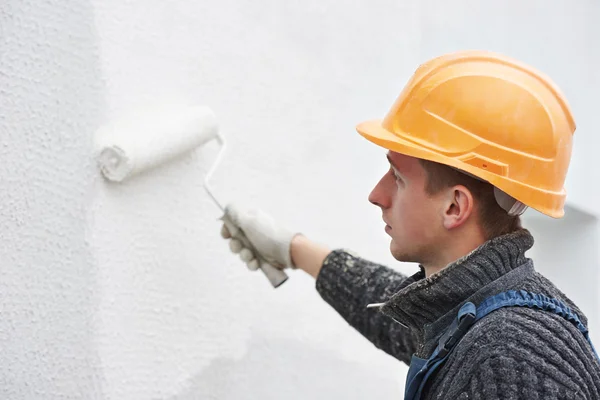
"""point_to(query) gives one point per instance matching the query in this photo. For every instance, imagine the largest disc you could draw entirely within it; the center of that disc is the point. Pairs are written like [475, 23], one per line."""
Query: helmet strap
[508, 203]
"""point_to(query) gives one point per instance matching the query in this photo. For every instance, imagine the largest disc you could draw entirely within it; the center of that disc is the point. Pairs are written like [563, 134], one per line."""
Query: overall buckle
[465, 319]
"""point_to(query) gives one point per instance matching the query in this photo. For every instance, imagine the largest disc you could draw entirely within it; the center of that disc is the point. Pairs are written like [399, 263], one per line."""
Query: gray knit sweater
[513, 353]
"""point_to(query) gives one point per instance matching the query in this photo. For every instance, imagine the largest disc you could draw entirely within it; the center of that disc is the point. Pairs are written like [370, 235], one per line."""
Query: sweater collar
[422, 301]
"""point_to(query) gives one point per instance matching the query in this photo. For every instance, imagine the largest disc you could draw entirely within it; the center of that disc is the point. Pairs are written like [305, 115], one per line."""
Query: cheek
[414, 215]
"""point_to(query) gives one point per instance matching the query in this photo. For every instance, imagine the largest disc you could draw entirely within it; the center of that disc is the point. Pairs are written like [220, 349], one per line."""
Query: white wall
[51, 99]
[128, 292]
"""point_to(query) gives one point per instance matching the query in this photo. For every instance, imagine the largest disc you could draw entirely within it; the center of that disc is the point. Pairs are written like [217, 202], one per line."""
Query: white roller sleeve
[139, 144]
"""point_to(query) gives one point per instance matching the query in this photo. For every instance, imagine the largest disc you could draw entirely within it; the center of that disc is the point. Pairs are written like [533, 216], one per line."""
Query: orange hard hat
[489, 116]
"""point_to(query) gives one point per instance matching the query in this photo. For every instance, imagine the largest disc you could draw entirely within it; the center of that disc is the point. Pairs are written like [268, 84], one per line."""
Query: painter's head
[480, 112]
[431, 210]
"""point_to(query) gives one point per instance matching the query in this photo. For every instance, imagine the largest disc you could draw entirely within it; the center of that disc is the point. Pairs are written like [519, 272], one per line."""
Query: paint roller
[135, 145]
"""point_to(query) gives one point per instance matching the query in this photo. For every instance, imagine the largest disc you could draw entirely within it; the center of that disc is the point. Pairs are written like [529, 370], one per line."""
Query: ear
[458, 207]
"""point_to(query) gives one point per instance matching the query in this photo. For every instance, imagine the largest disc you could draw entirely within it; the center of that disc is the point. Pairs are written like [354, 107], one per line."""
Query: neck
[454, 248]
[420, 301]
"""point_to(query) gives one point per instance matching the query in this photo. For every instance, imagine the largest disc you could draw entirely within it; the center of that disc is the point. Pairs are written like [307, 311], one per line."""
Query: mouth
[388, 228]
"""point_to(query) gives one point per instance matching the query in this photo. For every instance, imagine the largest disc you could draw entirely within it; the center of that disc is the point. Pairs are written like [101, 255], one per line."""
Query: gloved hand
[268, 238]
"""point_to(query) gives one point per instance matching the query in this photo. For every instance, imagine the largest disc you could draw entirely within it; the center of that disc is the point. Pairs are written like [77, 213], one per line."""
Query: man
[473, 139]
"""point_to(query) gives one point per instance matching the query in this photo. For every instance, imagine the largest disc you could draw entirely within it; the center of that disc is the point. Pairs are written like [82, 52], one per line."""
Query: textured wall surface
[51, 101]
[127, 291]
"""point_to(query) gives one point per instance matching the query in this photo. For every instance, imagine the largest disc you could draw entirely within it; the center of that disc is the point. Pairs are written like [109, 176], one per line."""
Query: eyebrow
[396, 170]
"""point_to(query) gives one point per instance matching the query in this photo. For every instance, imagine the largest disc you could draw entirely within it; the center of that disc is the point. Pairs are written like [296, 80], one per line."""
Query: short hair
[493, 219]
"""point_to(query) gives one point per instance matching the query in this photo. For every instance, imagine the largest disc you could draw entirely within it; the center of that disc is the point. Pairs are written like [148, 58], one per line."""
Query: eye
[395, 175]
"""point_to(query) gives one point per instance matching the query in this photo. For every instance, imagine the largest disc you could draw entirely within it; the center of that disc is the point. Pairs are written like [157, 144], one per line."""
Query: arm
[348, 284]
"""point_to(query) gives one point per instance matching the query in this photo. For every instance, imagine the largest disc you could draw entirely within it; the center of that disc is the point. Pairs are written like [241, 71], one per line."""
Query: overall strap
[522, 298]
[421, 370]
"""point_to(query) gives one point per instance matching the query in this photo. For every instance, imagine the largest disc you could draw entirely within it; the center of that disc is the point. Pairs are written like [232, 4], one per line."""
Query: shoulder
[529, 352]
[539, 338]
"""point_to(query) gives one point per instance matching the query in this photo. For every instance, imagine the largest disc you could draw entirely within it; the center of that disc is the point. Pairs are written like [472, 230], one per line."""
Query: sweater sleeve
[349, 284]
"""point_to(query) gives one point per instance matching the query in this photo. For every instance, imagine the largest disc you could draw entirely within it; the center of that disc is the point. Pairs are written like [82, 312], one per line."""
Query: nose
[380, 196]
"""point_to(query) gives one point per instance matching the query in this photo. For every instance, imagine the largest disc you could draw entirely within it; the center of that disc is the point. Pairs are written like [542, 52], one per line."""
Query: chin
[400, 254]
[397, 253]
[400, 257]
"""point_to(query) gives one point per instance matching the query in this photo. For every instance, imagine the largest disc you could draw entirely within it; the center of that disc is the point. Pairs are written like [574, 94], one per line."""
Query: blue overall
[421, 369]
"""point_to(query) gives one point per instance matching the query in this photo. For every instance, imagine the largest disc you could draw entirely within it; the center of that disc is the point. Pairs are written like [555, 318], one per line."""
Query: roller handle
[274, 275]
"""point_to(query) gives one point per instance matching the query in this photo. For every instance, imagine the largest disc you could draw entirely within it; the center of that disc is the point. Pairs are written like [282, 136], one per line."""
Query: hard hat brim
[374, 131]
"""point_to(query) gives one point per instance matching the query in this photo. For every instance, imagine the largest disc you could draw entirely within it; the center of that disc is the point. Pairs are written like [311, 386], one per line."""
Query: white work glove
[268, 238]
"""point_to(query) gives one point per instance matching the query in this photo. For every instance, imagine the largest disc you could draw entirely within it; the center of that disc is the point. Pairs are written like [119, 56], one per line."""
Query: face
[414, 219]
